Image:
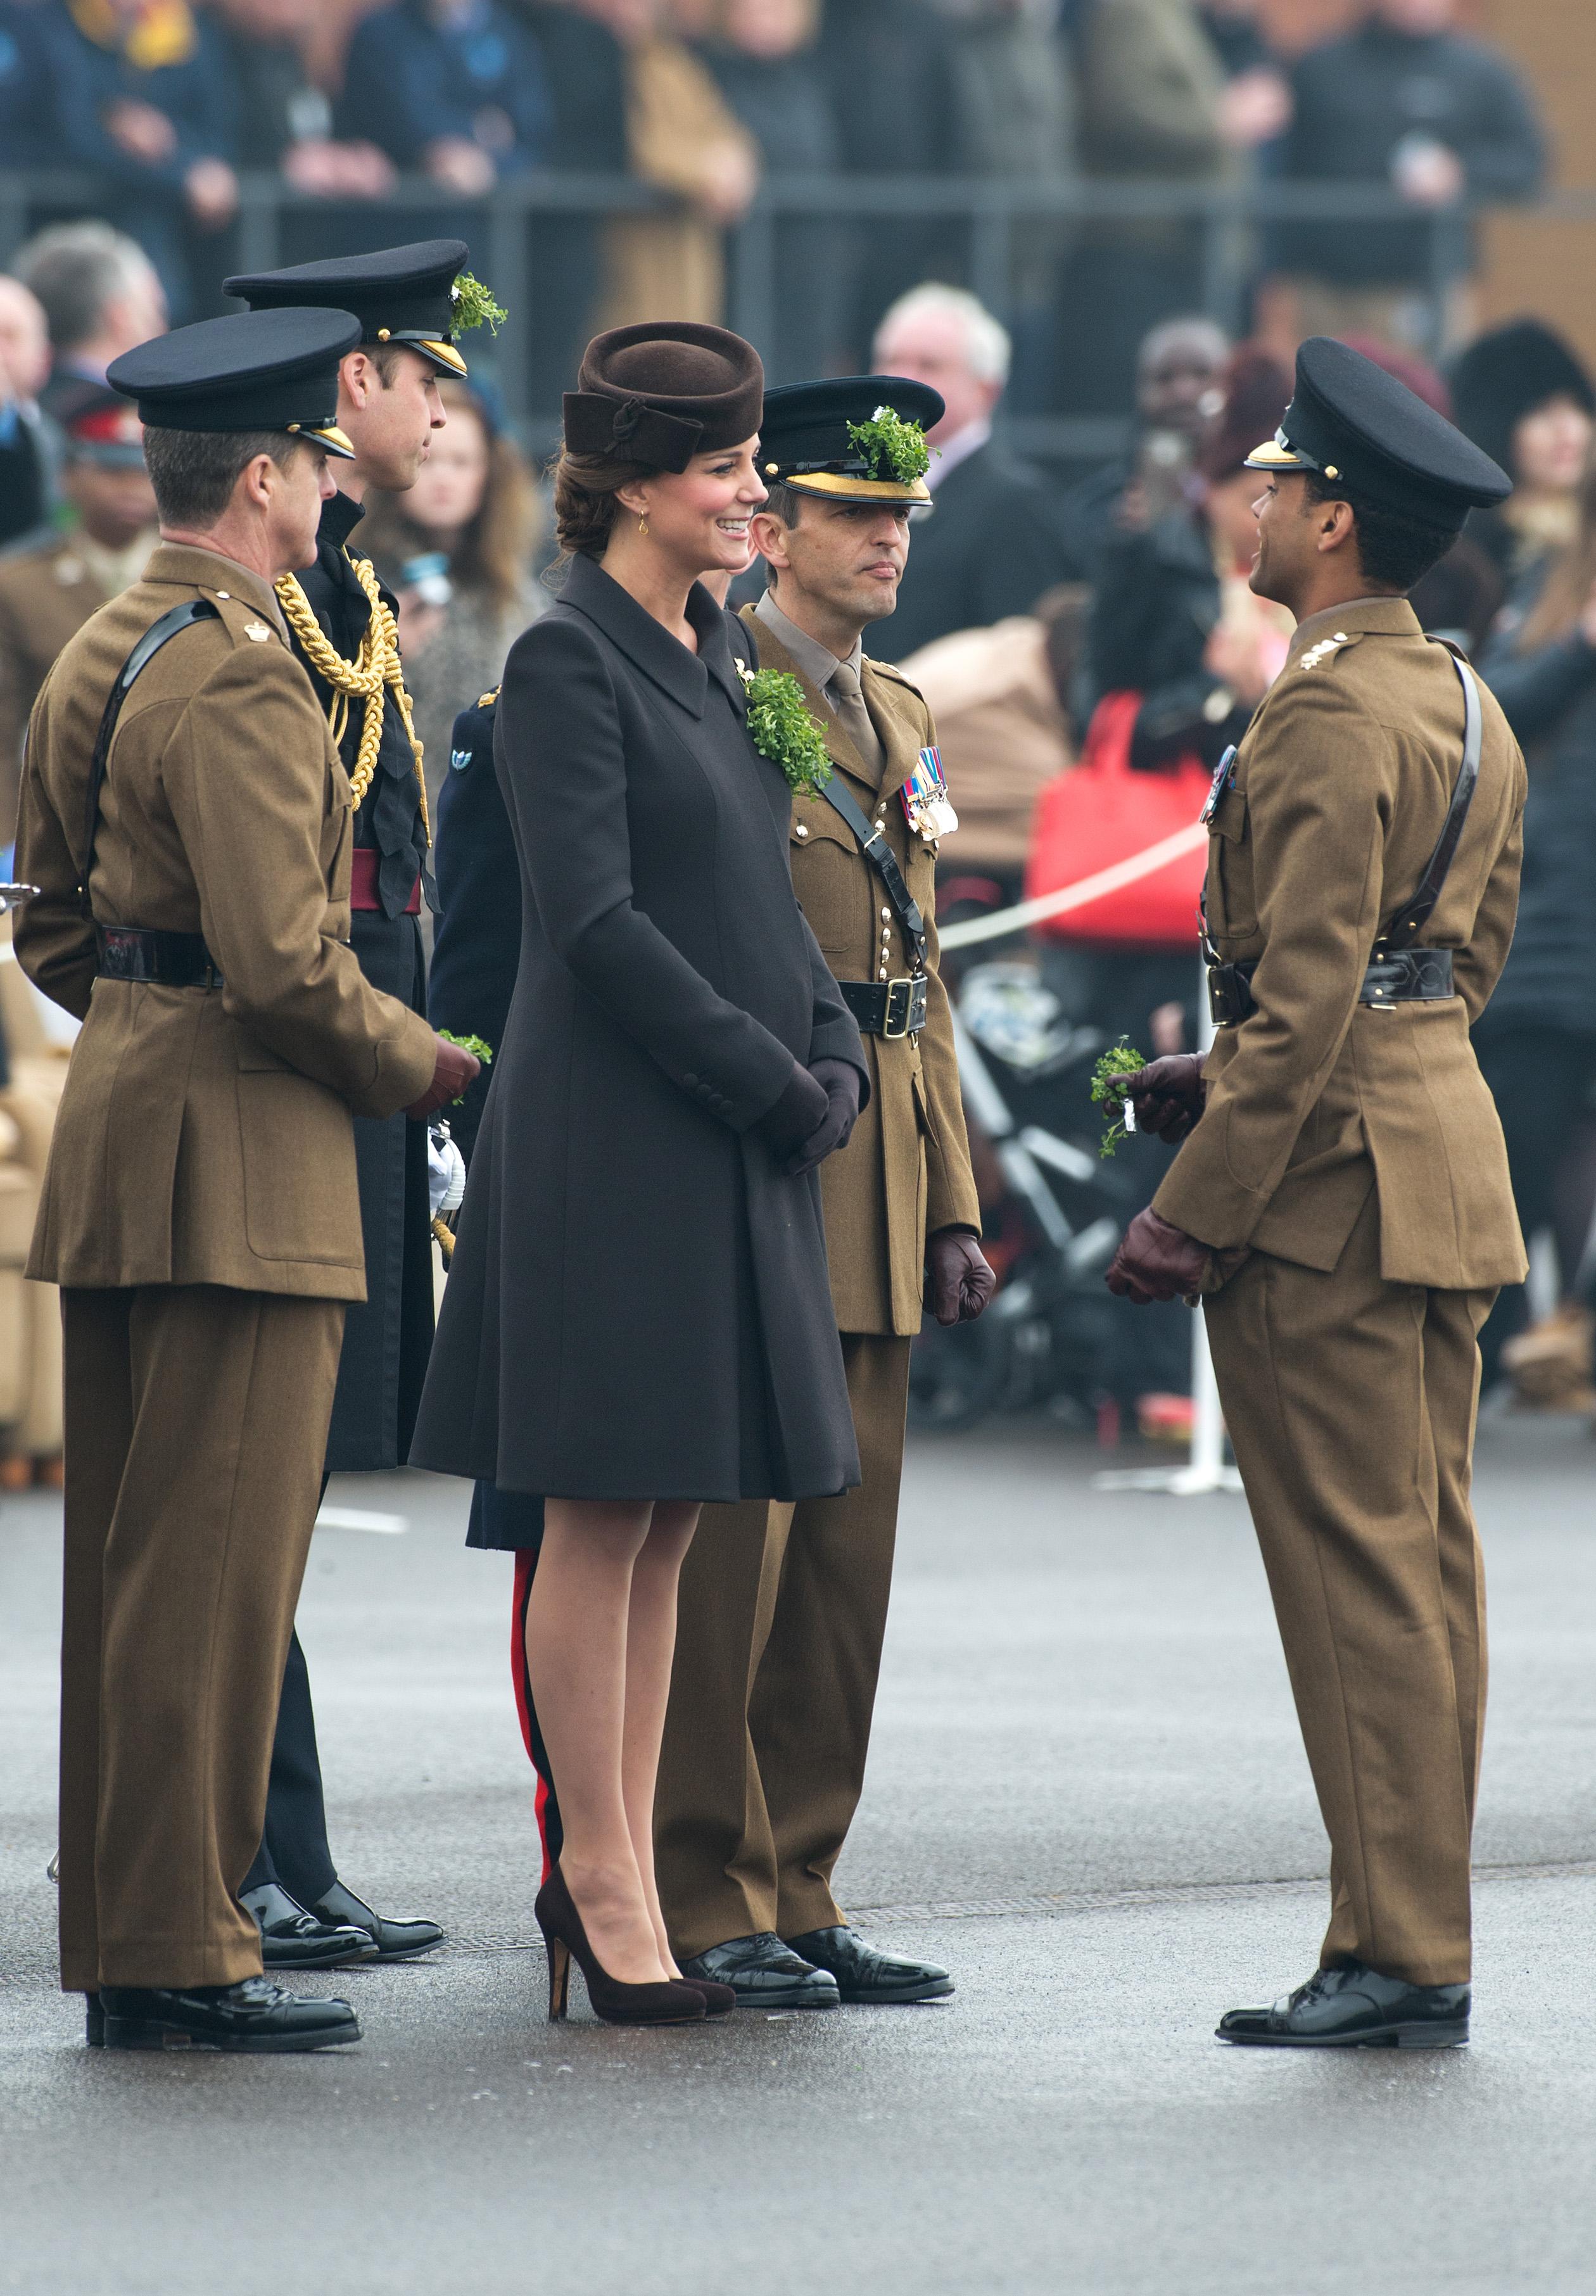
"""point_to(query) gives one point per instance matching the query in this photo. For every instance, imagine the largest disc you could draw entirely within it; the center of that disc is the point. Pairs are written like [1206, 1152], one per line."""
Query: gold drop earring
[643, 523]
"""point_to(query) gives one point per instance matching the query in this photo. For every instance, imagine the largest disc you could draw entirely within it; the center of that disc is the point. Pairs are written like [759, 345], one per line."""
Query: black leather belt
[169, 960]
[887, 1008]
[1401, 976]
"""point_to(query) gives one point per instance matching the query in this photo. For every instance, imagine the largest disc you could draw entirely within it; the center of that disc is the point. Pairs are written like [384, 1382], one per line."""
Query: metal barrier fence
[987, 215]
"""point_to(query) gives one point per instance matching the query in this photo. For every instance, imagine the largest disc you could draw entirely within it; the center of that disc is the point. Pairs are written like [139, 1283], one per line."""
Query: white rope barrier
[1081, 895]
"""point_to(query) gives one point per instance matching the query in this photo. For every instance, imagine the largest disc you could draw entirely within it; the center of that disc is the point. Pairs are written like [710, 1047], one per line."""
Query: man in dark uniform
[1342, 1196]
[344, 631]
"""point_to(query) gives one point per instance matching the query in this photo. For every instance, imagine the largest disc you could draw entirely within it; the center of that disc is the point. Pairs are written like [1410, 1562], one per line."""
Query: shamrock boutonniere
[785, 730]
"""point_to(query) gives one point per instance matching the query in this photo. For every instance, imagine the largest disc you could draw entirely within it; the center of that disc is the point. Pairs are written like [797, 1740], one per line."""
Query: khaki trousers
[779, 1638]
[1351, 1403]
[196, 1423]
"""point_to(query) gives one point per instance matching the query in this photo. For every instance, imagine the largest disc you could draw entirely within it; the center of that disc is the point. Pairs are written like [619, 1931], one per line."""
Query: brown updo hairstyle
[586, 488]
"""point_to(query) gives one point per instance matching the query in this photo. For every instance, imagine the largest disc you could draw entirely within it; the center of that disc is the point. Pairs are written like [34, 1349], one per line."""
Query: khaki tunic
[906, 1172]
[205, 1139]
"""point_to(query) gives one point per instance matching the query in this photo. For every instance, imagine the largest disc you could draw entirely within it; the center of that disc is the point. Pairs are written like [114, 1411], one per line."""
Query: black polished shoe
[864, 1974]
[394, 1940]
[253, 2017]
[763, 1974]
[93, 2024]
[292, 1939]
[1354, 2006]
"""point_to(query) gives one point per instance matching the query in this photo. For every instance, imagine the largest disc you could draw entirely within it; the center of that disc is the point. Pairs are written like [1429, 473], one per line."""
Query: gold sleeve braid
[366, 679]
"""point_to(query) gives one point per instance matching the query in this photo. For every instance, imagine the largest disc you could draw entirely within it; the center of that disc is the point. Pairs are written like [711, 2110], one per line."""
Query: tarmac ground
[1087, 1798]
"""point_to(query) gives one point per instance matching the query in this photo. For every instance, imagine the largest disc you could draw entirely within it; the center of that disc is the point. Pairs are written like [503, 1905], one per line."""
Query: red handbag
[1104, 812]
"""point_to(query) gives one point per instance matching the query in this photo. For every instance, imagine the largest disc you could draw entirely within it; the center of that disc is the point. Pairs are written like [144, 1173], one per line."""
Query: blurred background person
[993, 542]
[683, 137]
[891, 67]
[1151, 96]
[456, 87]
[146, 101]
[29, 443]
[1175, 618]
[49, 590]
[1403, 100]
[766, 65]
[1014, 95]
[457, 551]
[585, 67]
[1179, 390]
[29, 135]
[1536, 1038]
[1255, 107]
[1521, 393]
[1001, 701]
[286, 122]
[100, 296]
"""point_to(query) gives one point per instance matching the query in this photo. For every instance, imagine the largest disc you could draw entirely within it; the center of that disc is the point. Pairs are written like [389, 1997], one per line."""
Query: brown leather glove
[962, 1281]
[841, 1083]
[1157, 1261]
[452, 1068]
[1167, 1095]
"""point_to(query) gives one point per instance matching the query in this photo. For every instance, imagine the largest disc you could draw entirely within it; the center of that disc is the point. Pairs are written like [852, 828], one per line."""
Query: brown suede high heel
[719, 2000]
[661, 2003]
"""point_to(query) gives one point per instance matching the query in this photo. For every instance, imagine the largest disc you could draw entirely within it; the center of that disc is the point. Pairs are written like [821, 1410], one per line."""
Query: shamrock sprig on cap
[472, 304]
[892, 447]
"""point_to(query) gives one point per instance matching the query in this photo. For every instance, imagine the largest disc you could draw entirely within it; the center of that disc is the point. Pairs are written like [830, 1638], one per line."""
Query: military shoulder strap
[179, 618]
[883, 860]
[1410, 921]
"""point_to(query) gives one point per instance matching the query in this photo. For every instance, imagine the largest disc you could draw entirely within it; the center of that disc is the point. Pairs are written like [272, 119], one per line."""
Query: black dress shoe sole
[1389, 2036]
[407, 1952]
[326, 1957]
[151, 2033]
[783, 1997]
[930, 1988]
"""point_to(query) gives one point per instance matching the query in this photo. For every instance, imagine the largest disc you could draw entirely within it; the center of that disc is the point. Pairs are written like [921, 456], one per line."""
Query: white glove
[446, 1172]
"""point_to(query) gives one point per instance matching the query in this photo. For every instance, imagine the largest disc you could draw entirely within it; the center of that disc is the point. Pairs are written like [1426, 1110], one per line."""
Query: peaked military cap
[809, 441]
[100, 427]
[1358, 427]
[398, 294]
[253, 371]
[662, 392]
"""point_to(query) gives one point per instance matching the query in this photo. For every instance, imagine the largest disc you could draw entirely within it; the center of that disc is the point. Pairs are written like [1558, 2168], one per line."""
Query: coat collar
[193, 569]
[685, 677]
[340, 519]
[1387, 617]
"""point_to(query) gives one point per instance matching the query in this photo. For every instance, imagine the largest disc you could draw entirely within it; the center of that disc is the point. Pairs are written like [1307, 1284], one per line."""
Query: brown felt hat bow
[660, 393]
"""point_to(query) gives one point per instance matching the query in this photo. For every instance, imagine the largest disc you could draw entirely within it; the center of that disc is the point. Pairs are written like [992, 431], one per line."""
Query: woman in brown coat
[638, 1318]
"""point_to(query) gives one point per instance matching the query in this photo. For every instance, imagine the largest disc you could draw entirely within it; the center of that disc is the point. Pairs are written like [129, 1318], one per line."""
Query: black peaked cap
[662, 391]
[398, 294]
[253, 371]
[1360, 428]
[803, 440]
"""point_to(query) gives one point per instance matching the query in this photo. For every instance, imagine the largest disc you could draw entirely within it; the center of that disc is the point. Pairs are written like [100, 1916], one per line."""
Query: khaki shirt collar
[1388, 617]
[809, 657]
[190, 568]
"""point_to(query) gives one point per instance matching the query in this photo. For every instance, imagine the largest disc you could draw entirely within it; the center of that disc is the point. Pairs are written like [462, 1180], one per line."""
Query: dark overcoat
[638, 1305]
[388, 1339]
[477, 937]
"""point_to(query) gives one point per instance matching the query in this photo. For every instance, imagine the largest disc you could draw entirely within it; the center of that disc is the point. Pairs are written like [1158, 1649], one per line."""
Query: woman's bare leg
[576, 1639]
[650, 1645]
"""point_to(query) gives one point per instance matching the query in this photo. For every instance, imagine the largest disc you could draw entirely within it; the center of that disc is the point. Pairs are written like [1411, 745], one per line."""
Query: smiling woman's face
[699, 518]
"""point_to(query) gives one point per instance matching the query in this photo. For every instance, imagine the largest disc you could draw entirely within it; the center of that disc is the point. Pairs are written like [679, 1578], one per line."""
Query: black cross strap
[883, 860]
[179, 618]
[1410, 921]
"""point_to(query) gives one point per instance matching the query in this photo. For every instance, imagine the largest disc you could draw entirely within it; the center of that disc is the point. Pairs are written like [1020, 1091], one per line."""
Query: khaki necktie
[842, 687]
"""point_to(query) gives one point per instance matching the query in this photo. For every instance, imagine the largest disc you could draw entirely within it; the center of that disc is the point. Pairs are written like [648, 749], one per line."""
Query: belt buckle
[899, 1001]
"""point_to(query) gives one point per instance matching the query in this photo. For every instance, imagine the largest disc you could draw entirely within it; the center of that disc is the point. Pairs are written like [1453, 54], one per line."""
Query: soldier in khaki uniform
[199, 1208]
[783, 1608]
[1342, 1194]
[49, 589]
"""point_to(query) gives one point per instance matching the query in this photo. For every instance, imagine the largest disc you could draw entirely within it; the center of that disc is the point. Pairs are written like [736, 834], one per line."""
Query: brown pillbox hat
[660, 393]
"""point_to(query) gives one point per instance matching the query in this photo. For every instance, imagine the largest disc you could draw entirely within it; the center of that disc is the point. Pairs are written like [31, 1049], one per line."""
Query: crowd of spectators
[159, 106]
